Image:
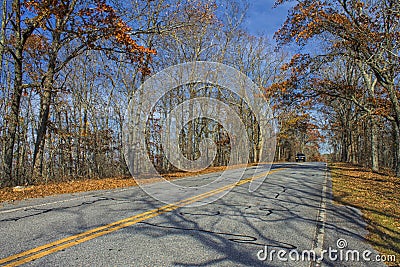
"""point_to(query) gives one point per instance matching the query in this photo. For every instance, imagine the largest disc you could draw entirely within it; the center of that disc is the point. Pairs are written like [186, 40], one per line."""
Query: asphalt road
[277, 225]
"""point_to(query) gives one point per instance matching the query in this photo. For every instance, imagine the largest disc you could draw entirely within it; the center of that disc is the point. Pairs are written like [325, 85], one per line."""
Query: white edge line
[321, 218]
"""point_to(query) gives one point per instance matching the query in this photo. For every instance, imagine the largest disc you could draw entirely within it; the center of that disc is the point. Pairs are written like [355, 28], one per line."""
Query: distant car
[300, 157]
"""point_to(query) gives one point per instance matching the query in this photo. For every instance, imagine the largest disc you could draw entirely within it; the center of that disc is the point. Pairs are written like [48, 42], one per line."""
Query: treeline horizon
[70, 68]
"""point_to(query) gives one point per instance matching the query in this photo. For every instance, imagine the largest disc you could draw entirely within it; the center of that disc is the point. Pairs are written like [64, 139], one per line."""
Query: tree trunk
[344, 148]
[42, 129]
[45, 104]
[374, 145]
[13, 120]
[396, 108]
[3, 30]
[396, 149]
[191, 124]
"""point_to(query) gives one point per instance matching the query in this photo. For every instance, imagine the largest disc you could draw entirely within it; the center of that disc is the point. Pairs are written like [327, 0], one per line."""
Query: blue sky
[264, 19]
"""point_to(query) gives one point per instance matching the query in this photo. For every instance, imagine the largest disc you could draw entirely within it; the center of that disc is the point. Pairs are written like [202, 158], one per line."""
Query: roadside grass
[378, 197]
[69, 186]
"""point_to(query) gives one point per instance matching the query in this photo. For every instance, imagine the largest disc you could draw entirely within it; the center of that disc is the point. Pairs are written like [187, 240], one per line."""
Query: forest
[69, 69]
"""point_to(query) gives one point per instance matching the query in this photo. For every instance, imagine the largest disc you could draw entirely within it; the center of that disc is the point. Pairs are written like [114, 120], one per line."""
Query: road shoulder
[345, 232]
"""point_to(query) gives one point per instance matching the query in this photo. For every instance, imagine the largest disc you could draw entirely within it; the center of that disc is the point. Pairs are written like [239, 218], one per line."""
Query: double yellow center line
[41, 251]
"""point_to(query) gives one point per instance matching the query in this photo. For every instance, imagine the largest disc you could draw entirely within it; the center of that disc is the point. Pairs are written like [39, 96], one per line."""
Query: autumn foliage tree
[298, 134]
[65, 30]
[69, 70]
[365, 33]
